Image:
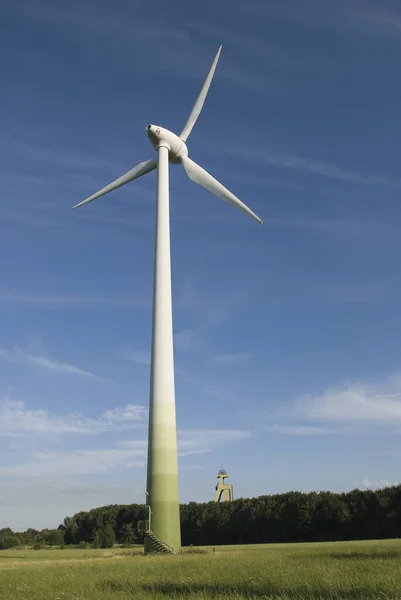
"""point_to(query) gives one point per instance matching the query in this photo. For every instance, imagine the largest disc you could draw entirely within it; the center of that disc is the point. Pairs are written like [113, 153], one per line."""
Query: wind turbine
[163, 532]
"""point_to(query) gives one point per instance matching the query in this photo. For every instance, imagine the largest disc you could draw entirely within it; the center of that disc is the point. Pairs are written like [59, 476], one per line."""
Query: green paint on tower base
[163, 532]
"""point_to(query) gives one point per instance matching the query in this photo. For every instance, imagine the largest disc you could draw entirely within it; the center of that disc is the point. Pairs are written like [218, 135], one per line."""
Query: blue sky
[287, 335]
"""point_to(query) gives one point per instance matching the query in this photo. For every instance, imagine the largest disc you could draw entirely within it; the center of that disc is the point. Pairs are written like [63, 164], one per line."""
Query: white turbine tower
[163, 524]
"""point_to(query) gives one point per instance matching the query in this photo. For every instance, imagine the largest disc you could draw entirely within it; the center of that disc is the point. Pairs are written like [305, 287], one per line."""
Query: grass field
[288, 571]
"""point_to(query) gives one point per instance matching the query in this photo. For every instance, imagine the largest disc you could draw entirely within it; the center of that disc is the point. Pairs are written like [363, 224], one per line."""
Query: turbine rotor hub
[159, 136]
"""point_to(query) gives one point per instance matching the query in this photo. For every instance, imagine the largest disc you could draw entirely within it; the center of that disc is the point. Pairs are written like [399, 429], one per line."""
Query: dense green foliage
[107, 537]
[128, 536]
[91, 526]
[291, 517]
[31, 537]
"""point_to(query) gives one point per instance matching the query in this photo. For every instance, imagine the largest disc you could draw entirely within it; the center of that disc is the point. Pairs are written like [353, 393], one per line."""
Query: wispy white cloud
[351, 17]
[361, 293]
[208, 386]
[71, 299]
[190, 338]
[294, 288]
[200, 441]
[186, 339]
[375, 19]
[308, 165]
[250, 43]
[129, 412]
[362, 407]
[17, 418]
[19, 355]
[79, 171]
[53, 365]
[174, 48]
[123, 454]
[336, 227]
[374, 484]
[76, 463]
[229, 359]
[206, 312]
[347, 16]
[357, 403]
[136, 356]
[306, 430]
[77, 165]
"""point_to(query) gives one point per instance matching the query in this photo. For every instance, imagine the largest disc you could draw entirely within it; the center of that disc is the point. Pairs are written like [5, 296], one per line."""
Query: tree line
[289, 517]
[31, 537]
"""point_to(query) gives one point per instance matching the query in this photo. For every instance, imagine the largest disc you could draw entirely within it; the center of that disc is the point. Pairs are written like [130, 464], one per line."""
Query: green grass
[337, 571]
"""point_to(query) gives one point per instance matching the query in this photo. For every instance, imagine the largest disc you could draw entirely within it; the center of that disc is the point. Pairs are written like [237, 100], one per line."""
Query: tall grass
[360, 570]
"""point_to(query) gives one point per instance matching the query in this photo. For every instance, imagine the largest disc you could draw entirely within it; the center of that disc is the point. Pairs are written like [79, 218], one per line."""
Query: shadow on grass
[218, 591]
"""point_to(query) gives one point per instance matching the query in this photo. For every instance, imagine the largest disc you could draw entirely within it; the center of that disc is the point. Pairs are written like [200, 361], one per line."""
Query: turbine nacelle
[159, 136]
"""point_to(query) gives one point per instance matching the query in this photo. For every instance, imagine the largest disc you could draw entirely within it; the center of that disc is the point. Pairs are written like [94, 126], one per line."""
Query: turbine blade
[201, 99]
[199, 175]
[138, 171]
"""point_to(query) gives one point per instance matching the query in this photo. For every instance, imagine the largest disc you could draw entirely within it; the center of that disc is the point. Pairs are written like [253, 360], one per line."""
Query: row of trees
[90, 526]
[104, 537]
[290, 517]
[31, 537]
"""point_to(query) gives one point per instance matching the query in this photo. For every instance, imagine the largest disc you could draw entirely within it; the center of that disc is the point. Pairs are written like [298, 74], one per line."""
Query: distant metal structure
[222, 488]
